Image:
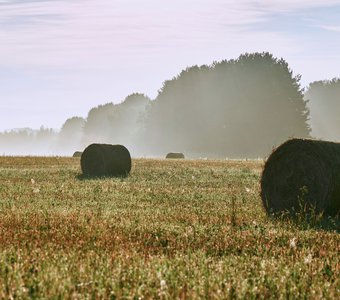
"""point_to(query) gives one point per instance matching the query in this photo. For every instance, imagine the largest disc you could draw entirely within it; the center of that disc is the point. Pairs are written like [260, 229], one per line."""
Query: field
[182, 229]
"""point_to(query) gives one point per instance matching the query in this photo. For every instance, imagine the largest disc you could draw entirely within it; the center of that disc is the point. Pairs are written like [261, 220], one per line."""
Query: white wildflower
[163, 284]
[263, 264]
[283, 279]
[308, 259]
[248, 190]
[292, 243]
[32, 181]
[272, 232]
[36, 191]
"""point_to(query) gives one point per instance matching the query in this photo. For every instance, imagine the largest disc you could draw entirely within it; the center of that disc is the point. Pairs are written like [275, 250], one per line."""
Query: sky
[59, 59]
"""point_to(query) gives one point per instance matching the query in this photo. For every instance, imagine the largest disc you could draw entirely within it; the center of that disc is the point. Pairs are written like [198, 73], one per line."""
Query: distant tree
[127, 120]
[26, 141]
[72, 125]
[16, 142]
[175, 121]
[70, 135]
[97, 126]
[262, 104]
[117, 123]
[136, 100]
[232, 108]
[324, 101]
[44, 139]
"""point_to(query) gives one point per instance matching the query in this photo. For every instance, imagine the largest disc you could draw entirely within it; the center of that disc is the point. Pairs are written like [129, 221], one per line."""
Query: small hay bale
[302, 175]
[77, 154]
[106, 160]
[177, 155]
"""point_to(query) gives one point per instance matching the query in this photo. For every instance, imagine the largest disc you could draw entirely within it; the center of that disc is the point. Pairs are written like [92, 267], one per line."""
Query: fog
[240, 108]
[26, 141]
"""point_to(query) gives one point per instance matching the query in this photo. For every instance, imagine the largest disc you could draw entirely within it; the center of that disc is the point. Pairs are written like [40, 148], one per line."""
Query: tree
[235, 108]
[27, 141]
[70, 135]
[324, 101]
[97, 126]
[263, 104]
[117, 123]
[127, 120]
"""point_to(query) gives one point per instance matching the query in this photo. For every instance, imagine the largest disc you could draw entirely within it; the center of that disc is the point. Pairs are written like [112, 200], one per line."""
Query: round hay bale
[177, 155]
[77, 154]
[105, 160]
[302, 175]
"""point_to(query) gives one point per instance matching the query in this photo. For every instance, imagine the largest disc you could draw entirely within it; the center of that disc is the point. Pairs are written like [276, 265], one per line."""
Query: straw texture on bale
[105, 160]
[302, 175]
[175, 155]
[77, 154]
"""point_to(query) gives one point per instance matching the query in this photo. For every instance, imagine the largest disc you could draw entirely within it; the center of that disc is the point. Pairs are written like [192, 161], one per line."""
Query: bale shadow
[83, 177]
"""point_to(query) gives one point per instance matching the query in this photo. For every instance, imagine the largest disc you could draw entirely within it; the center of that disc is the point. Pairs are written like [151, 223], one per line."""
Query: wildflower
[272, 232]
[36, 191]
[292, 243]
[263, 264]
[248, 190]
[163, 284]
[308, 259]
[32, 181]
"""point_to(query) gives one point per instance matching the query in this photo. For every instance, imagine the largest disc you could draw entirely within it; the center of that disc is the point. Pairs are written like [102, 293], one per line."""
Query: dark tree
[238, 108]
[262, 104]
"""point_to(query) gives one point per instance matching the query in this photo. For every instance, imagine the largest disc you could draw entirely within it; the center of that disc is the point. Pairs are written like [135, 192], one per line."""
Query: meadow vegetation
[172, 229]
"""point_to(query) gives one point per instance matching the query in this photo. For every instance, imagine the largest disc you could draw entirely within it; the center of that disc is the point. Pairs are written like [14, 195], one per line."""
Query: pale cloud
[330, 28]
[292, 5]
[84, 33]
[74, 32]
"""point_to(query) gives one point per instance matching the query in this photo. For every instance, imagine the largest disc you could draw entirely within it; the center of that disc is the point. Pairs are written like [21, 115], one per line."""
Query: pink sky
[59, 59]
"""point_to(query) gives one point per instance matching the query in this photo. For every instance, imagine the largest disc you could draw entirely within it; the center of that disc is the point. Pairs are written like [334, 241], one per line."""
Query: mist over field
[238, 108]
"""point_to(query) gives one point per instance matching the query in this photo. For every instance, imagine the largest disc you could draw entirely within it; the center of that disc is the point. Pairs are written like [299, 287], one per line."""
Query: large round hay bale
[106, 160]
[177, 155]
[77, 154]
[302, 175]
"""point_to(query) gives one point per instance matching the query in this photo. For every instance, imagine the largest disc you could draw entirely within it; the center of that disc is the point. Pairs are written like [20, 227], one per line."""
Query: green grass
[172, 229]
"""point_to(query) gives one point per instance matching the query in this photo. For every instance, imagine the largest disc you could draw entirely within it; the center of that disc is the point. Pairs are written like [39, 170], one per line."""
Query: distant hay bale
[177, 155]
[302, 175]
[105, 160]
[77, 154]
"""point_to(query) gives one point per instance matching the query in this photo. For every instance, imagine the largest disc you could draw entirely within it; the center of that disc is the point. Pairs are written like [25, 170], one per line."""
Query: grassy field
[174, 229]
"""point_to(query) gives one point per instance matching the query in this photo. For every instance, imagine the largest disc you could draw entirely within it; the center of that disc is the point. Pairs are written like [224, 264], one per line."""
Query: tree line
[233, 108]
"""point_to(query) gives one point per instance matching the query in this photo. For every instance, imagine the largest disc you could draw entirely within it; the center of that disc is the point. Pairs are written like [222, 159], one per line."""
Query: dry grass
[172, 229]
